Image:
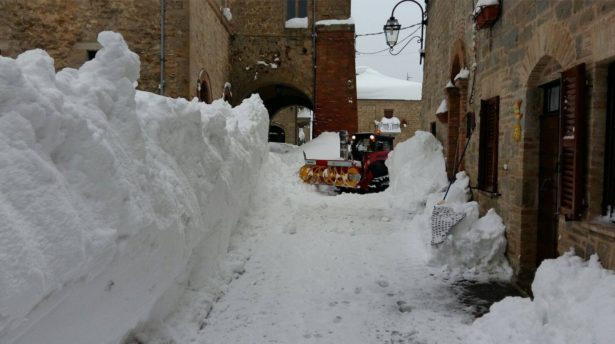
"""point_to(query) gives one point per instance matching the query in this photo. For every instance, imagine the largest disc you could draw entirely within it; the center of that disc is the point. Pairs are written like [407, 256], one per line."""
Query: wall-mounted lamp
[392, 28]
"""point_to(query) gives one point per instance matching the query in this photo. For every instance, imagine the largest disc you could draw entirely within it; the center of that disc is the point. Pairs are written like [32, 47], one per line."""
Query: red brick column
[335, 105]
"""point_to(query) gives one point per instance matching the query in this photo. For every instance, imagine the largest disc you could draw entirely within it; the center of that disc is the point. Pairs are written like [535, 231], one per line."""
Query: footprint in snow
[403, 307]
[383, 283]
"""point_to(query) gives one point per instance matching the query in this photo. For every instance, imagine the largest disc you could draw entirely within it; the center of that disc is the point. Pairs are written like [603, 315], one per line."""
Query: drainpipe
[313, 67]
[161, 86]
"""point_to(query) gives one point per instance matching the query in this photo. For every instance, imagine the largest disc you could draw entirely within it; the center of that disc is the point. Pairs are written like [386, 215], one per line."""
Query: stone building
[539, 77]
[269, 47]
[380, 96]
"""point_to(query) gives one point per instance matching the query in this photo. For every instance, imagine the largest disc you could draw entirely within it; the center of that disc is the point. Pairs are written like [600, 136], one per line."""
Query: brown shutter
[488, 145]
[572, 139]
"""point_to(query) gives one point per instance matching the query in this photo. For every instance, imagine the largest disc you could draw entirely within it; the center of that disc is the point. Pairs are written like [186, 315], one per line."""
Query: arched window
[203, 87]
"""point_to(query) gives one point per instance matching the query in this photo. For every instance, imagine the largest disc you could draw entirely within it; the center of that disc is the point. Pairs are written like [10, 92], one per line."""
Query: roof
[372, 84]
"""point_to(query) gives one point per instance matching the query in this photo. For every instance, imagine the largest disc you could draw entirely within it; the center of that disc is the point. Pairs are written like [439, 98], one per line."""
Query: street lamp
[392, 28]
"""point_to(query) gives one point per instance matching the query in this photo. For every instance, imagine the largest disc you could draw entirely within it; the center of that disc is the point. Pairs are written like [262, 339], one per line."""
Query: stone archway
[283, 103]
[278, 96]
[277, 133]
[536, 141]
[457, 106]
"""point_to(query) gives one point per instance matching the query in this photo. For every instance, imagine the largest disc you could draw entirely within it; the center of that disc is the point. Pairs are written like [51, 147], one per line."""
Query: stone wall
[529, 45]
[278, 62]
[373, 109]
[264, 52]
[209, 46]
[67, 29]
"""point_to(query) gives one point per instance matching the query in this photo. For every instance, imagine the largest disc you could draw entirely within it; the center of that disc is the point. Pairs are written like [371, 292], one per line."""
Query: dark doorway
[548, 178]
[203, 87]
[276, 134]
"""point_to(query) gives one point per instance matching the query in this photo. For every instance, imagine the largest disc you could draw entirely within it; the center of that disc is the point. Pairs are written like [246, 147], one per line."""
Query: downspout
[313, 67]
[161, 85]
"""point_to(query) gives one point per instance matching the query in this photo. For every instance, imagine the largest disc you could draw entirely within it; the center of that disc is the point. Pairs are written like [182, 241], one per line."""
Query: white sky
[370, 16]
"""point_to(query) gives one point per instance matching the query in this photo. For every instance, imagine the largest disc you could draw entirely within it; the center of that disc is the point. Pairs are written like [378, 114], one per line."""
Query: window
[91, 54]
[432, 127]
[572, 110]
[608, 197]
[488, 145]
[296, 9]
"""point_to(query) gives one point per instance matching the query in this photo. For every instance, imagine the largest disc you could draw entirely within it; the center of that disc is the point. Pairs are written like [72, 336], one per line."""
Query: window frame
[297, 8]
[489, 145]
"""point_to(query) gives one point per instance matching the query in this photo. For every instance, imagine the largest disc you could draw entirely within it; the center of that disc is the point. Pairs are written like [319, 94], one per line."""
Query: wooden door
[548, 184]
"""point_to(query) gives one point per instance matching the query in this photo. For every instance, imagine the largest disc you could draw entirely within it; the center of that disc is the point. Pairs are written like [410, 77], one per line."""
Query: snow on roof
[372, 84]
[348, 21]
[443, 107]
[482, 3]
[464, 73]
[296, 23]
[304, 113]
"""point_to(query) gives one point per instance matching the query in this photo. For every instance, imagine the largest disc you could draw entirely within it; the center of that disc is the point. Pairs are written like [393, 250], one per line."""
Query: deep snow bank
[416, 168]
[474, 248]
[107, 195]
[574, 302]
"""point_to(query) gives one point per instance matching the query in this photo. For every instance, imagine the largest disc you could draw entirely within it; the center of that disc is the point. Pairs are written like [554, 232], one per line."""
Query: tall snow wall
[110, 198]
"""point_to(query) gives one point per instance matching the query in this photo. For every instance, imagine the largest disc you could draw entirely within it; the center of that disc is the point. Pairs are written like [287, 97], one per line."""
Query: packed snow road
[320, 268]
[338, 271]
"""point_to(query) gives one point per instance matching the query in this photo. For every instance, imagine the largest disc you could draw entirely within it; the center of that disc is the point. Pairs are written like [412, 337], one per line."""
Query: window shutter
[572, 137]
[608, 198]
[488, 145]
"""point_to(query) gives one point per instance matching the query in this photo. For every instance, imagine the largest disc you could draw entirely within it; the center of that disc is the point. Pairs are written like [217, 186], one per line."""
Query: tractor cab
[365, 143]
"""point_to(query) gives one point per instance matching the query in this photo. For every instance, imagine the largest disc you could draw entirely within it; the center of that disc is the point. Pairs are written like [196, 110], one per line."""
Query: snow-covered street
[336, 271]
[327, 269]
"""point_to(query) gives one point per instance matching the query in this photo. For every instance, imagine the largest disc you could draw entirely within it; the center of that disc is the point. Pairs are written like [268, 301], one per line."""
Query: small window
[488, 145]
[203, 88]
[296, 9]
[433, 128]
[91, 54]
[553, 99]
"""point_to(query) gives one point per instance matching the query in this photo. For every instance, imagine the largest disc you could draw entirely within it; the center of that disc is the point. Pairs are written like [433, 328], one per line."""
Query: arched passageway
[284, 104]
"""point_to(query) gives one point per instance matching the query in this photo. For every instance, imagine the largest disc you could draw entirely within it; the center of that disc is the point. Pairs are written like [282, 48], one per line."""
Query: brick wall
[336, 103]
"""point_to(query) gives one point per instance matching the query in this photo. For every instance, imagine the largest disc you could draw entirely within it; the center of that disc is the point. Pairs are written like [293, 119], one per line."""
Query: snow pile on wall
[107, 194]
[475, 247]
[325, 146]
[574, 302]
[416, 168]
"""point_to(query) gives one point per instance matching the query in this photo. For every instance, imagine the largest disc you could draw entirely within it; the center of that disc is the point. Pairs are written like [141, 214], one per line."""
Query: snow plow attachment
[330, 172]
